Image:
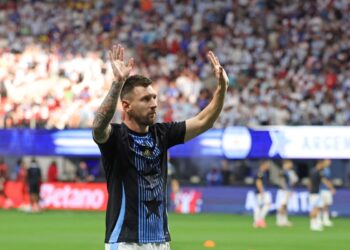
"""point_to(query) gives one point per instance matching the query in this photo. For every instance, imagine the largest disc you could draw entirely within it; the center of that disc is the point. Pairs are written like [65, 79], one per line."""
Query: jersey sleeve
[174, 132]
[108, 148]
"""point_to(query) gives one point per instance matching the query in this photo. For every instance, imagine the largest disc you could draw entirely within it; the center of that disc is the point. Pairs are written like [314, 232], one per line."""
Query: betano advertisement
[237, 200]
[298, 142]
[61, 195]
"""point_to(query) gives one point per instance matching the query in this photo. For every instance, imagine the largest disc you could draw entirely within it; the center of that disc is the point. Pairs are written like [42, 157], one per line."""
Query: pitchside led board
[299, 142]
[93, 196]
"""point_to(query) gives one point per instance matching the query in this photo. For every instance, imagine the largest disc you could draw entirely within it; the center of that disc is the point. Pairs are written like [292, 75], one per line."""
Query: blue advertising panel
[241, 200]
[302, 142]
[17, 142]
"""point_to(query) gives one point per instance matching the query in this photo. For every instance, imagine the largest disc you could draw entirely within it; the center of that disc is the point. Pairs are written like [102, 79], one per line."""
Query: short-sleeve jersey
[34, 175]
[136, 171]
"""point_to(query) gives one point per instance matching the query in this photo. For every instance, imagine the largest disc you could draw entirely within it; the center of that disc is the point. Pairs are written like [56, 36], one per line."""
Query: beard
[146, 120]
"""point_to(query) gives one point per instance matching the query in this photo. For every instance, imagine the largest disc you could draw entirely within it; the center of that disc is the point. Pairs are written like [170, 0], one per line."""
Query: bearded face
[141, 105]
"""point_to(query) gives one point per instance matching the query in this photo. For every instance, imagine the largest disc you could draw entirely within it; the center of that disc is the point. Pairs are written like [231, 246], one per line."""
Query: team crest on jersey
[146, 152]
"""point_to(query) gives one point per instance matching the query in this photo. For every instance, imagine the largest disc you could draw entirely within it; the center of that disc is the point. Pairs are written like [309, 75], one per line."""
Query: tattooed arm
[104, 114]
[101, 127]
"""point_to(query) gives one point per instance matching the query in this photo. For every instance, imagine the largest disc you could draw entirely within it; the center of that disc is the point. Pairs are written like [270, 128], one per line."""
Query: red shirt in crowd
[52, 173]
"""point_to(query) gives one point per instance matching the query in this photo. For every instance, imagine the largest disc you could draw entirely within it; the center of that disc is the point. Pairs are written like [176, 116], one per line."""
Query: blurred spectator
[3, 168]
[225, 172]
[34, 181]
[21, 170]
[82, 174]
[240, 171]
[52, 172]
[6, 203]
[21, 175]
[214, 177]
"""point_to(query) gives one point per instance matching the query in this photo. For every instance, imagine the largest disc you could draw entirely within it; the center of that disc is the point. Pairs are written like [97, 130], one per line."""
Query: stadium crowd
[288, 61]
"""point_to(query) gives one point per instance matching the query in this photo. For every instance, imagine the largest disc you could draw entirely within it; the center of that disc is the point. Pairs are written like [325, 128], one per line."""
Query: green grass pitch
[63, 230]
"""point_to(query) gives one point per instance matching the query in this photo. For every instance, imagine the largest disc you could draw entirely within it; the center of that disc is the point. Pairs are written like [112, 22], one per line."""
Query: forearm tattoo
[105, 112]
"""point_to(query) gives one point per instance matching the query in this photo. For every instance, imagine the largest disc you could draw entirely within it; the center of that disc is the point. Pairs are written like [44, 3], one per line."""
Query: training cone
[209, 243]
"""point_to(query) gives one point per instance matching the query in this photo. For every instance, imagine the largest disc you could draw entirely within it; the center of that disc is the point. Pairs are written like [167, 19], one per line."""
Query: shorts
[136, 246]
[315, 201]
[283, 197]
[326, 197]
[34, 188]
[263, 200]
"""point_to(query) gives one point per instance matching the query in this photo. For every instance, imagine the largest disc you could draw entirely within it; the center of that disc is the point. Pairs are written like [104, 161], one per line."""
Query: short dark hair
[132, 82]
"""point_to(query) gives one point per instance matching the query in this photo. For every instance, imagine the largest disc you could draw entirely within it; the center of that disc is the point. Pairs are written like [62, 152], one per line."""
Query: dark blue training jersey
[136, 173]
[316, 176]
[263, 176]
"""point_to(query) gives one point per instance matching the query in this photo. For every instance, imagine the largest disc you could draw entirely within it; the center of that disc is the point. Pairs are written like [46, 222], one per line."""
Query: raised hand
[121, 70]
[219, 71]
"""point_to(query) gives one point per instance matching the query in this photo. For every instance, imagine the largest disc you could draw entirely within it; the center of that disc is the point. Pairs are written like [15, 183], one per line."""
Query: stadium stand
[288, 61]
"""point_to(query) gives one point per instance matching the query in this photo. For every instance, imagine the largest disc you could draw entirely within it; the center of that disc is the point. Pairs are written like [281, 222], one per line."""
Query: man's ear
[126, 105]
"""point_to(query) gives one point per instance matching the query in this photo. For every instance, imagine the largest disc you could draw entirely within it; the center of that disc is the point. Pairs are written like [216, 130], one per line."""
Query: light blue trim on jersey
[118, 226]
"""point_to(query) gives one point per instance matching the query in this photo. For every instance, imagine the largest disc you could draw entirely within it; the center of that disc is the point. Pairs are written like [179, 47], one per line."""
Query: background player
[288, 179]
[263, 200]
[326, 197]
[316, 177]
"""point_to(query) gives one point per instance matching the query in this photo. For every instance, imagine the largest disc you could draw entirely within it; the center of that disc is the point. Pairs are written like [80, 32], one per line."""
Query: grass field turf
[56, 230]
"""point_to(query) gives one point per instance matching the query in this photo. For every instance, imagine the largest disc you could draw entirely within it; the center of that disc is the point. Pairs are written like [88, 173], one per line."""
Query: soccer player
[263, 201]
[288, 179]
[34, 182]
[134, 154]
[326, 197]
[316, 177]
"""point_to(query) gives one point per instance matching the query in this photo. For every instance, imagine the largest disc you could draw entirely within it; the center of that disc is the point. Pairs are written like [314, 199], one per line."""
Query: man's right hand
[121, 70]
[101, 127]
